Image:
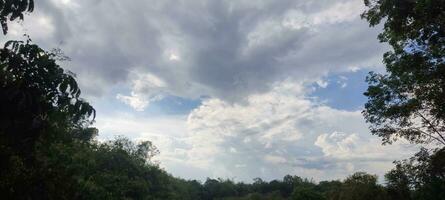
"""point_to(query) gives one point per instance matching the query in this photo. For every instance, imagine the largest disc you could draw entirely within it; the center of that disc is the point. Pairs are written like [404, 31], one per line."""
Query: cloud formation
[272, 134]
[224, 49]
[283, 129]
[252, 63]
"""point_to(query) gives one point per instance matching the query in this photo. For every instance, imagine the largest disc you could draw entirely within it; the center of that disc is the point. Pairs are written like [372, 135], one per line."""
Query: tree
[361, 185]
[305, 193]
[40, 107]
[37, 95]
[330, 189]
[12, 10]
[408, 101]
[399, 182]
[290, 182]
[420, 177]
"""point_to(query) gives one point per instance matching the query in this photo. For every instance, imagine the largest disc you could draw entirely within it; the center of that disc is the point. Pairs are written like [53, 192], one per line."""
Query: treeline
[48, 148]
[357, 186]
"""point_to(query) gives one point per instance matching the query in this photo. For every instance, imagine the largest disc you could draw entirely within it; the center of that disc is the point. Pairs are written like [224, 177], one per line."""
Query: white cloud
[283, 127]
[344, 146]
[166, 133]
[337, 144]
[39, 27]
[335, 13]
[275, 159]
[352, 152]
[269, 135]
[135, 101]
[343, 11]
[342, 81]
[322, 83]
[145, 88]
[173, 57]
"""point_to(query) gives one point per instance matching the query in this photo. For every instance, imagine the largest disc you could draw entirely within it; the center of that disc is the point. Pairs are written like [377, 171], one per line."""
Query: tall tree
[12, 10]
[408, 101]
[40, 106]
[37, 95]
[399, 181]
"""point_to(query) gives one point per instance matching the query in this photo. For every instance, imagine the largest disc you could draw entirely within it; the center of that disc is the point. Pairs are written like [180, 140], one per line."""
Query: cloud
[223, 49]
[146, 88]
[135, 101]
[272, 134]
[360, 153]
[343, 146]
[275, 159]
[284, 132]
[337, 144]
[269, 135]
[251, 62]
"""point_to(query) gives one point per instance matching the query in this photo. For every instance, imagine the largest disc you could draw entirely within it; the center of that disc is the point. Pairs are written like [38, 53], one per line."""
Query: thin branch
[442, 139]
[429, 135]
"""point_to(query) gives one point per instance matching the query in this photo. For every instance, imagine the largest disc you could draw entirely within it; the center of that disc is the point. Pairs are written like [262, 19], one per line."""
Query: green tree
[399, 182]
[305, 193]
[330, 189]
[420, 177]
[12, 10]
[362, 186]
[290, 182]
[37, 96]
[40, 105]
[408, 101]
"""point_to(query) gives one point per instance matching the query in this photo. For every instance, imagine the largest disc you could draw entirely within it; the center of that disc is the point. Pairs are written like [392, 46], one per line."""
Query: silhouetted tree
[40, 105]
[399, 182]
[420, 177]
[408, 101]
[361, 185]
[37, 95]
[12, 10]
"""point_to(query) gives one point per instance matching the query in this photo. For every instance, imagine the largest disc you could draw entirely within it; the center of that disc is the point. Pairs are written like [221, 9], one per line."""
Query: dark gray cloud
[226, 49]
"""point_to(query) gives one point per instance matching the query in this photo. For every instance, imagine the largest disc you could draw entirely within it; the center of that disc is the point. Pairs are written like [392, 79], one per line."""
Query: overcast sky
[233, 88]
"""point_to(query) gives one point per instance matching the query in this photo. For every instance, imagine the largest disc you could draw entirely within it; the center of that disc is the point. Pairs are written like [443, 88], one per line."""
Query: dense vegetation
[48, 148]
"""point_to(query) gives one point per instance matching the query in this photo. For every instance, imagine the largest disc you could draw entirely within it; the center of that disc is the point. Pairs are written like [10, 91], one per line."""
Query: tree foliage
[408, 101]
[303, 193]
[12, 10]
[361, 185]
[37, 96]
[420, 177]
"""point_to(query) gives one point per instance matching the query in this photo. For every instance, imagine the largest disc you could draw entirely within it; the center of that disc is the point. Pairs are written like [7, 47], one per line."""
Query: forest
[49, 147]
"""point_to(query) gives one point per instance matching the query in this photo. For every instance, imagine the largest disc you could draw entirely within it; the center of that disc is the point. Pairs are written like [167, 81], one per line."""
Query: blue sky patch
[343, 91]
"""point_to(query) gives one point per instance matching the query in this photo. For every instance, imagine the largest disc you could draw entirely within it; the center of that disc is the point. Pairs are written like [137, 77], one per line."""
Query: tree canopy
[408, 101]
[37, 96]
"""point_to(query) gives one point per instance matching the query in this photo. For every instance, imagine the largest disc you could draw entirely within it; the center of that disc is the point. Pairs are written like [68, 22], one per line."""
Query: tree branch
[441, 139]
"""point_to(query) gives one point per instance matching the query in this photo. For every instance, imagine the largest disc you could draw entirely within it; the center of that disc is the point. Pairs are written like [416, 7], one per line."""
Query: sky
[234, 89]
